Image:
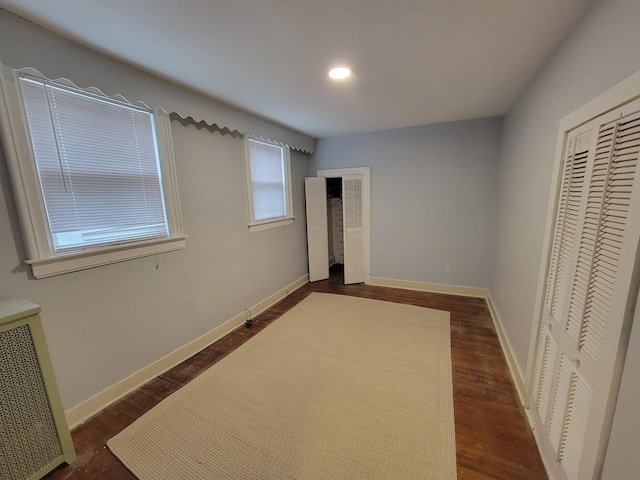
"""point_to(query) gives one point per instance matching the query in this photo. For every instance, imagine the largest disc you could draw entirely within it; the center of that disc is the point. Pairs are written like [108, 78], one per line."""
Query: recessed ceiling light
[339, 73]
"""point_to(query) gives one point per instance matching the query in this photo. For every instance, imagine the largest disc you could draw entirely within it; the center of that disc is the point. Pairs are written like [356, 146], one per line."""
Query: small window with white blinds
[268, 173]
[93, 176]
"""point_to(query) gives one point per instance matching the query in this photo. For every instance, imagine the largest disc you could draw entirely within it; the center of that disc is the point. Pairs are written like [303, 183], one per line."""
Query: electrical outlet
[249, 288]
[447, 268]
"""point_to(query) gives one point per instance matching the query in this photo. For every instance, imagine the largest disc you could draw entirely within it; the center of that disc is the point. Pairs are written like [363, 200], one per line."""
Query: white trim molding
[599, 372]
[51, 266]
[78, 414]
[623, 93]
[507, 350]
[366, 208]
[430, 287]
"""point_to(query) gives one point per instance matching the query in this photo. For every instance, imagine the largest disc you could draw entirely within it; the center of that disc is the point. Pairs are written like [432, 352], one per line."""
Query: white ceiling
[415, 61]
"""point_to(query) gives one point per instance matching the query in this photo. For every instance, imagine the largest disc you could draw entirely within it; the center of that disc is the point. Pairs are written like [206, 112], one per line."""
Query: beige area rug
[337, 388]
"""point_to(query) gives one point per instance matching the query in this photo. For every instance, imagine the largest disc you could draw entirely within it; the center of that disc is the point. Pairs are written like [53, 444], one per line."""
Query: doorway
[335, 226]
[324, 198]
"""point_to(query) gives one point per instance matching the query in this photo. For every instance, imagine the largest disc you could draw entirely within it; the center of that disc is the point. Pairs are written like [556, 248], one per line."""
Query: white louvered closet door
[352, 201]
[589, 290]
[317, 227]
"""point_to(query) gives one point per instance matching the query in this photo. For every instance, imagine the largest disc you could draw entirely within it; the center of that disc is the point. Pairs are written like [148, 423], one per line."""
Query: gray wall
[106, 323]
[601, 51]
[433, 193]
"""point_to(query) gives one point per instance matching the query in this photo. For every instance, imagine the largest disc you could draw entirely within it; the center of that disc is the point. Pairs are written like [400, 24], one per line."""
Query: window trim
[254, 225]
[40, 254]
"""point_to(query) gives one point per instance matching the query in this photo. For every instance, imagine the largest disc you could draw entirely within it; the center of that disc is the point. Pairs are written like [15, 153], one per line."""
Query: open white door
[352, 201]
[317, 230]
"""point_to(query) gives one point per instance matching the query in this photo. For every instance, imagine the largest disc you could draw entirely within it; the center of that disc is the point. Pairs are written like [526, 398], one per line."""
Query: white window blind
[98, 166]
[268, 172]
[268, 180]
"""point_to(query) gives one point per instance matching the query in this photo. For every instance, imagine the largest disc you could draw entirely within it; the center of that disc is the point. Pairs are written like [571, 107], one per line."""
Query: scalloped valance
[190, 107]
[25, 44]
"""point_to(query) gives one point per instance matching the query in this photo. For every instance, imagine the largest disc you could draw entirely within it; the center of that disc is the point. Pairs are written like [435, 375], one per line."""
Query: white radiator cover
[34, 434]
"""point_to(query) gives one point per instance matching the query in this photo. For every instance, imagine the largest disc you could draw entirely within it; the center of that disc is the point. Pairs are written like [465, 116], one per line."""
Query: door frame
[615, 98]
[366, 208]
[622, 93]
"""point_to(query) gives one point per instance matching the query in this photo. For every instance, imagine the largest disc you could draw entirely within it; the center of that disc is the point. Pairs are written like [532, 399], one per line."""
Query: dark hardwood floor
[493, 438]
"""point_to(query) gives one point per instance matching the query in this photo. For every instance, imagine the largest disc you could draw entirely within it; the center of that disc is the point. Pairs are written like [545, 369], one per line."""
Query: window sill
[268, 225]
[58, 265]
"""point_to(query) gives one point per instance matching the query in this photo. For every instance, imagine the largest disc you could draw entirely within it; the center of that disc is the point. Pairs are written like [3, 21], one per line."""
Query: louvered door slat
[560, 402]
[570, 415]
[566, 225]
[552, 280]
[352, 197]
[352, 192]
[576, 421]
[615, 207]
[593, 216]
[545, 364]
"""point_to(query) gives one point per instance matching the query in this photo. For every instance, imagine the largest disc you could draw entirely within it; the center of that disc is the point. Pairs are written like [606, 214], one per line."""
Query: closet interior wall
[335, 221]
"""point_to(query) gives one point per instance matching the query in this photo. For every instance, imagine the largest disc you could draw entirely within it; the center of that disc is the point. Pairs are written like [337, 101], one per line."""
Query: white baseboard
[516, 373]
[78, 414]
[512, 363]
[430, 287]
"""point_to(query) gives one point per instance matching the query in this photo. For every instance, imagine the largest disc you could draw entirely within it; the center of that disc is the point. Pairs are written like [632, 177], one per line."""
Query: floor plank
[493, 438]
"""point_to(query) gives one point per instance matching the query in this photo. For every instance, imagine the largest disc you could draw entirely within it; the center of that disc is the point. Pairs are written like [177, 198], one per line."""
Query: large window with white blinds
[268, 185]
[95, 175]
[98, 167]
